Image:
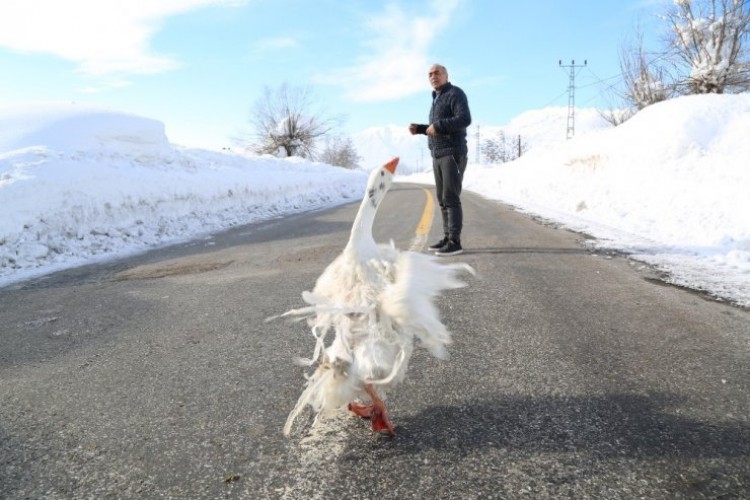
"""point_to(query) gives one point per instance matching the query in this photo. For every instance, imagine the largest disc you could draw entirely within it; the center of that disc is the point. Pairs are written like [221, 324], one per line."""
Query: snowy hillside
[536, 127]
[540, 127]
[374, 144]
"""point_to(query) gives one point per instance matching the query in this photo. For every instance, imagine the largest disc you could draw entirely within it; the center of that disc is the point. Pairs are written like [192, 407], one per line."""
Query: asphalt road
[573, 374]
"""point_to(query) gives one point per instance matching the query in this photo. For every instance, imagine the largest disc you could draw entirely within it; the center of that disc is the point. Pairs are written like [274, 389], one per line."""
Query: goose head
[379, 183]
[377, 186]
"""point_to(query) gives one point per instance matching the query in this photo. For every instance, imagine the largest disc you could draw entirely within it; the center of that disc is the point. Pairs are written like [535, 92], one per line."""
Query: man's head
[438, 76]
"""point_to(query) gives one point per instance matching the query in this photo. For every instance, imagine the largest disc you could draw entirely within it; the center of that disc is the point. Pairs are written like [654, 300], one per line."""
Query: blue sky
[200, 65]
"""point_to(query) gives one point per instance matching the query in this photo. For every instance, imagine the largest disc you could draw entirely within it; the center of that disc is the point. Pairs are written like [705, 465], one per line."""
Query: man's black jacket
[450, 116]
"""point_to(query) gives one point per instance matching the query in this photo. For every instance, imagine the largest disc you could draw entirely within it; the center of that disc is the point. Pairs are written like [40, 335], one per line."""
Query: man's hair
[440, 67]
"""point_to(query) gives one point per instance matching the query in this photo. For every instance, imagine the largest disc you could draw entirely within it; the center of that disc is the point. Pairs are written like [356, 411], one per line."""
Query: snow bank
[669, 186]
[80, 184]
[79, 128]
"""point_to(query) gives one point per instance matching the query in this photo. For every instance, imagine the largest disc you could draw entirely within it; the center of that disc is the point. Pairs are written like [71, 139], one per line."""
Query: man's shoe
[440, 244]
[450, 248]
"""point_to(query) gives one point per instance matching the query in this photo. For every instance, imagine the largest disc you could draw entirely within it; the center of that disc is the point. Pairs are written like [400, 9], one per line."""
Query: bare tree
[340, 151]
[285, 123]
[645, 82]
[710, 39]
[502, 148]
[493, 150]
[616, 117]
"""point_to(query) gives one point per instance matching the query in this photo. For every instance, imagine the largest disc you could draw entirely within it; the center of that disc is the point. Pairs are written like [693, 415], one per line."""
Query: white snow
[536, 127]
[669, 186]
[79, 185]
[375, 143]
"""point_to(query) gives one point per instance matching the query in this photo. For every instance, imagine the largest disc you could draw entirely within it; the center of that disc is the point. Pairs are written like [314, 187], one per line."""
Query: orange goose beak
[391, 165]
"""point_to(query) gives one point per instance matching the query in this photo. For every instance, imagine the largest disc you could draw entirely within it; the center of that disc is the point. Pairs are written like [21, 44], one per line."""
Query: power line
[570, 132]
[603, 81]
[603, 85]
[555, 99]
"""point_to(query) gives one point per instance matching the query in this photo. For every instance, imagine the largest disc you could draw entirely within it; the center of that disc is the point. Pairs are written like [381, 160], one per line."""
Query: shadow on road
[618, 425]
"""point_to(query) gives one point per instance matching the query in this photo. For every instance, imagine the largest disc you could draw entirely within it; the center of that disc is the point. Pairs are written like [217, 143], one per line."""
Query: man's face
[437, 77]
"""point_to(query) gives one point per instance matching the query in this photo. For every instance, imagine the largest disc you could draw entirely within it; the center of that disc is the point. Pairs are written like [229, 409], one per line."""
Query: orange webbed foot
[375, 412]
[361, 410]
[380, 421]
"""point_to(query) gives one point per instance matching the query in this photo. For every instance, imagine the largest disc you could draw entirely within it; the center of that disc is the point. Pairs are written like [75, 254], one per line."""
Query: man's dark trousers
[449, 174]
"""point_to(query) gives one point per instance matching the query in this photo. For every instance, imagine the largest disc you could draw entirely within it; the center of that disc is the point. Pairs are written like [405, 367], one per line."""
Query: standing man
[446, 137]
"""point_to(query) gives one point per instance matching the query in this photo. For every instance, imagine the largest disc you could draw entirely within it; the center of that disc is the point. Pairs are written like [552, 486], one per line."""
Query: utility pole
[571, 130]
[519, 145]
[479, 159]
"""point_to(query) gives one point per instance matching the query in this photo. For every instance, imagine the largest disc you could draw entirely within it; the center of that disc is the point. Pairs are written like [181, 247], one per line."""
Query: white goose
[374, 299]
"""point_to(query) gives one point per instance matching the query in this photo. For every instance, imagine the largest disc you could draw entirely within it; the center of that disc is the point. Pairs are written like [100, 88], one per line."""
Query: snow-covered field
[669, 186]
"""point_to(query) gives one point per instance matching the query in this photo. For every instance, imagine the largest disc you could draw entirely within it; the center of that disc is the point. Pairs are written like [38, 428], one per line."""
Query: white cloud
[276, 43]
[273, 44]
[103, 37]
[106, 84]
[398, 55]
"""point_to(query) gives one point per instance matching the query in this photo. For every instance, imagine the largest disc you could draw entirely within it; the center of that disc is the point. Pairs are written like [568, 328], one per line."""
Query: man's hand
[416, 128]
[431, 130]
